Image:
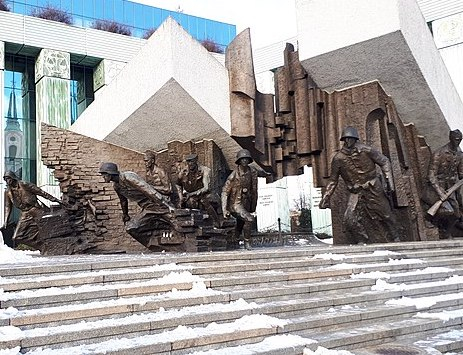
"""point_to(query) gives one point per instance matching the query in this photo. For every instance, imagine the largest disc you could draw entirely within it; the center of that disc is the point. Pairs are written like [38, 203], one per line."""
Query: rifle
[434, 208]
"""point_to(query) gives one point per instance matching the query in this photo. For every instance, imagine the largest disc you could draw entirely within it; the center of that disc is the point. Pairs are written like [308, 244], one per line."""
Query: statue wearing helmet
[194, 189]
[23, 195]
[155, 206]
[356, 164]
[239, 196]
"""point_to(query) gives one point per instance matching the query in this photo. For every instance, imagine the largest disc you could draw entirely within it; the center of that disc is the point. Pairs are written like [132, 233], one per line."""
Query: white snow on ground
[11, 256]
[14, 351]
[323, 351]
[250, 322]
[424, 302]
[199, 289]
[444, 315]
[171, 278]
[162, 314]
[405, 261]
[385, 275]
[385, 252]
[442, 339]
[103, 272]
[371, 275]
[330, 256]
[10, 333]
[270, 343]
[382, 285]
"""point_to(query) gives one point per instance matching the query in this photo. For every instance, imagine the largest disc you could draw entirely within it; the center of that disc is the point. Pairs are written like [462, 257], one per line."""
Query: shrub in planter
[52, 13]
[112, 26]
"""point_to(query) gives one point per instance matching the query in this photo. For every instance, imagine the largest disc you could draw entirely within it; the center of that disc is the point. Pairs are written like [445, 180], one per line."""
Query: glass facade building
[138, 17]
[26, 97]
[19, 116]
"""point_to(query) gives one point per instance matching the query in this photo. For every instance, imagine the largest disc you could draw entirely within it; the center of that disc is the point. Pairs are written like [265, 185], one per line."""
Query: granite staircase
[397, 298]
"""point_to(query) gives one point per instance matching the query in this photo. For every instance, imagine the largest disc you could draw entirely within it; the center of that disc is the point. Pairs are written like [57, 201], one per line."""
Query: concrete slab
[385, 40]
[173, 89]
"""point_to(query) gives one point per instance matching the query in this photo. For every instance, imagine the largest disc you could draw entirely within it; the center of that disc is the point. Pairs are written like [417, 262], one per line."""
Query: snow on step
[179, 338]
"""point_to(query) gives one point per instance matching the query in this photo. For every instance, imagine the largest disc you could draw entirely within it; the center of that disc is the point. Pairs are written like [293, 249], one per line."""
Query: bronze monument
[156, 176]
[356, 164]
[193, 187]
[445, 180]
[23, 195]
[156, 210]
[239, 197]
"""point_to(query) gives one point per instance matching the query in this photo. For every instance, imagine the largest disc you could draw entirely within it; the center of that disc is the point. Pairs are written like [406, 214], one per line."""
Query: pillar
[53, 106]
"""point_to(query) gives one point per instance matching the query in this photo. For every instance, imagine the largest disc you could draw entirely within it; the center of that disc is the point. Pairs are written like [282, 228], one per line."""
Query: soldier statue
[356, 164]
[445, 176]
[193, 187]
[156, 208]
[156, 176]
[23, 195]
[239, 197]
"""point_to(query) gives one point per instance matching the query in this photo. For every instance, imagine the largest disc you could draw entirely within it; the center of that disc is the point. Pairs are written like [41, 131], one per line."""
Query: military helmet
[11, 175]
[243, 153]
[350, 132]
[109, 168]
[191, 157]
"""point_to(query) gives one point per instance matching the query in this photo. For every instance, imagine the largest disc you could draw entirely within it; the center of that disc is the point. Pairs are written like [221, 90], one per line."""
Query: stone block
[126, 291]
[221, 338]
[105, 72]
[51, 63]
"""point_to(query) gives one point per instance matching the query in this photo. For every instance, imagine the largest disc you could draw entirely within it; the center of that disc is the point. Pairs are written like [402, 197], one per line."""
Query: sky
[181, 273]
[270, 21]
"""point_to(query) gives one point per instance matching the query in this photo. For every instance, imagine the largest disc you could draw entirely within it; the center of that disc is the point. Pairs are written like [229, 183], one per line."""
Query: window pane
[109, 10]
[77, 8]
[88, 8]
[118, 11]
[128, 13]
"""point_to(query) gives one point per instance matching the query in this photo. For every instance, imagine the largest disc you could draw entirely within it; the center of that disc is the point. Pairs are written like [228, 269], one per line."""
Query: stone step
[182, 340]
[445, 342]
[135, 325]
[311, 290]
[89, 263]
[129, 325]
[353, 337]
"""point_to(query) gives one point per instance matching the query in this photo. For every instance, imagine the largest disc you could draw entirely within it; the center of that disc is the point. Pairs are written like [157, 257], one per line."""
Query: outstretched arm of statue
[39, 192]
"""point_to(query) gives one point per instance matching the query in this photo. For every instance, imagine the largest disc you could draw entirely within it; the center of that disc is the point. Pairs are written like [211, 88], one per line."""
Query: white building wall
[435, 9]
[448, 36]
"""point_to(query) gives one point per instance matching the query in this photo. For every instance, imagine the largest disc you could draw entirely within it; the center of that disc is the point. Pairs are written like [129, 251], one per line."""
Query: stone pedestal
[52, 80]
